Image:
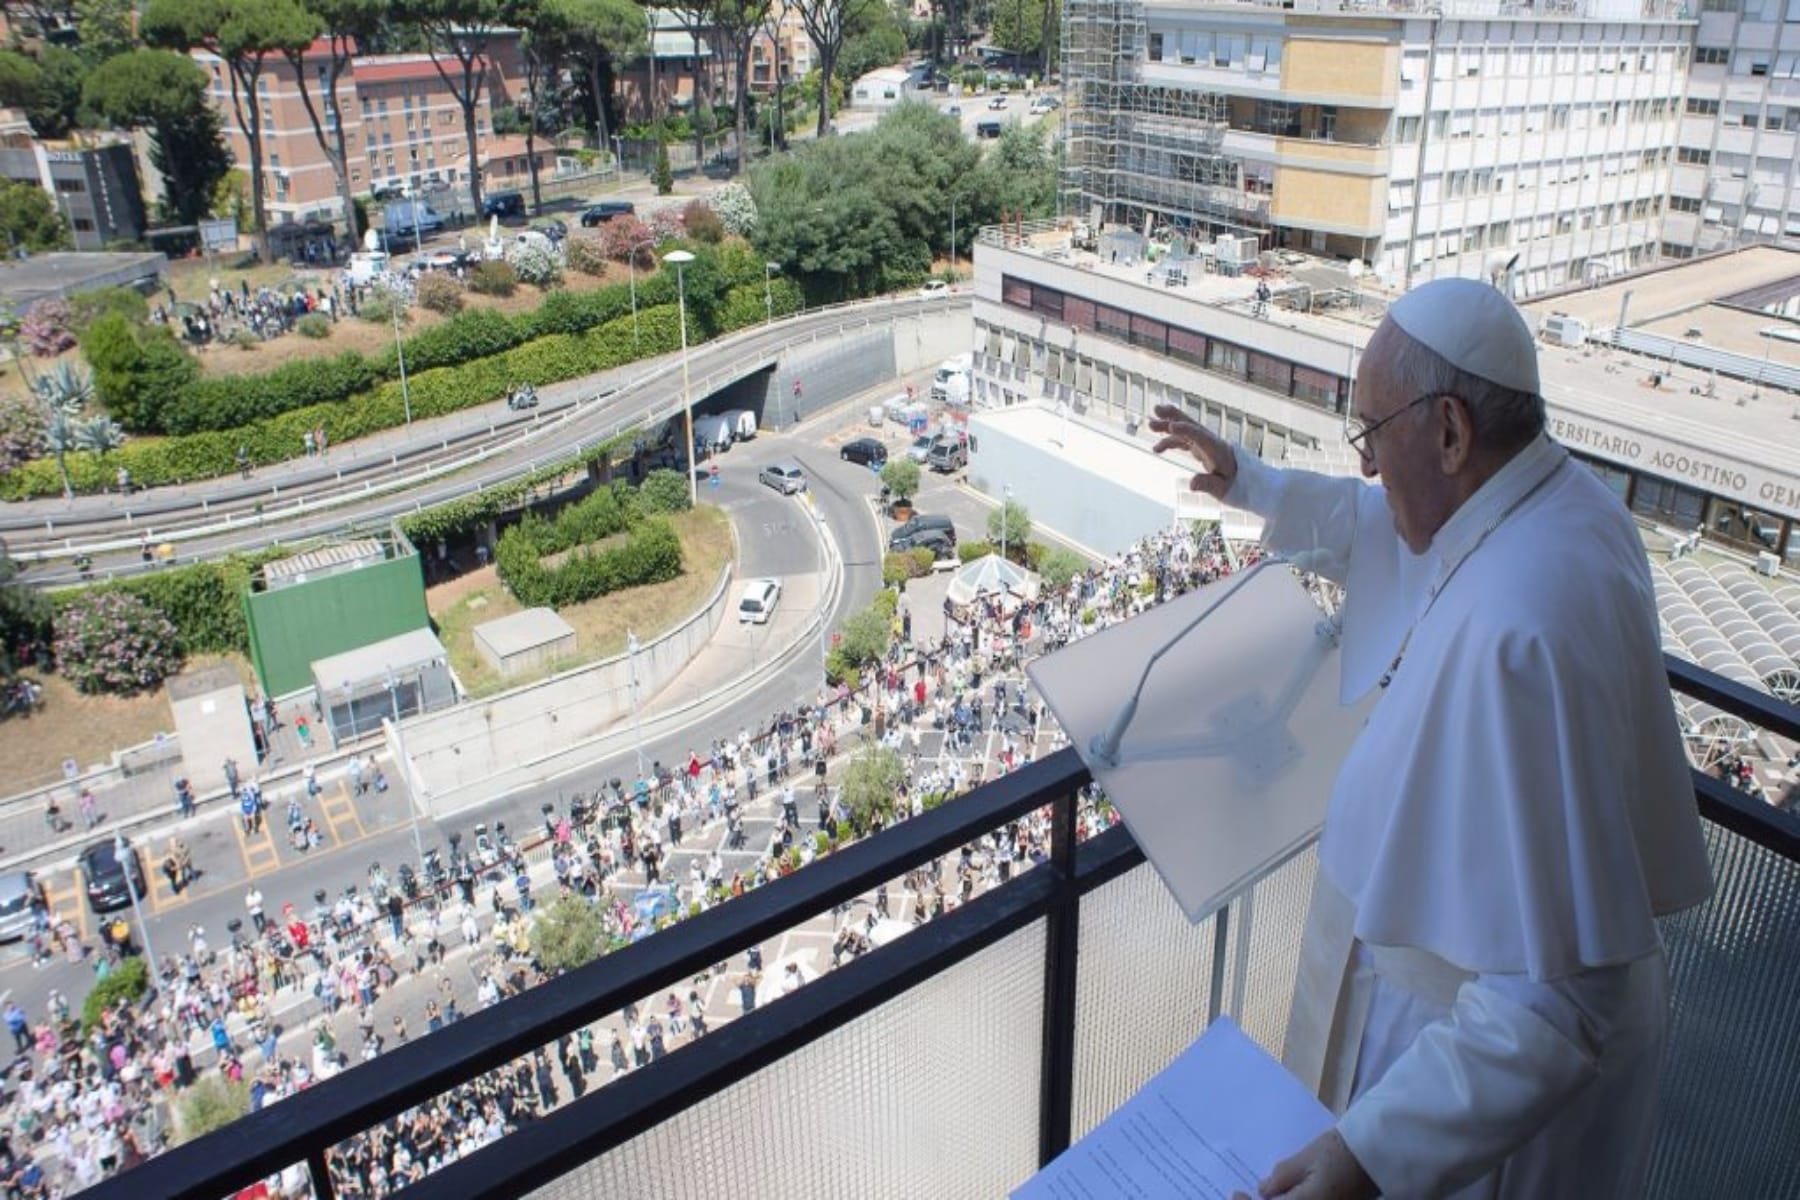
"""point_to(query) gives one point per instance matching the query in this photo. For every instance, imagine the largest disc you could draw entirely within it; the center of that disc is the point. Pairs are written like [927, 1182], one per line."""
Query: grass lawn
[86, 728]
[474, 599]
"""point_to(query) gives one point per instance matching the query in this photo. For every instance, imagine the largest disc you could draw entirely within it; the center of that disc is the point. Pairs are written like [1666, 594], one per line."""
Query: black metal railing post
[1062, 928]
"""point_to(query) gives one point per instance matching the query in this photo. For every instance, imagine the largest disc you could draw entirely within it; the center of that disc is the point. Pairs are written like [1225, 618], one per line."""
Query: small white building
[882, 88]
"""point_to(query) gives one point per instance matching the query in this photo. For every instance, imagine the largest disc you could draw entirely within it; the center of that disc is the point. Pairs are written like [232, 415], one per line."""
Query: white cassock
[1482, 987]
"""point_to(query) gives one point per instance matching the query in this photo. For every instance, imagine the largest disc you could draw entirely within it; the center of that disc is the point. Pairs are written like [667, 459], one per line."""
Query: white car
[997, 103]
[933, 287]
[757, 604]
[1044, 104]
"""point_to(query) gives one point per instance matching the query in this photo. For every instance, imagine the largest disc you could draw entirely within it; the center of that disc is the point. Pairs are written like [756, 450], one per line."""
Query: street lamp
[1005, 518]
[400, 351]
[631, 265]
[618, 155]
[134, 879]
[953, 235]
[412, 801]
[770, 270]
[680, 259]
[637, 730]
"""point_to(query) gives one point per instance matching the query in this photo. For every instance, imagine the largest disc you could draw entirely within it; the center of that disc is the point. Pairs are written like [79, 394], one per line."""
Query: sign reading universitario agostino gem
[1717, 474]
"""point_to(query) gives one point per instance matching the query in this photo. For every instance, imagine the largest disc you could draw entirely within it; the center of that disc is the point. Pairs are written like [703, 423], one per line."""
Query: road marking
[258, 849]
[339, 811]
[161, 897]
[66, 904]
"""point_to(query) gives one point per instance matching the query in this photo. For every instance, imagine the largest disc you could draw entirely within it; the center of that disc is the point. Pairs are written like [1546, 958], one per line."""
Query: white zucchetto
[1472, 326]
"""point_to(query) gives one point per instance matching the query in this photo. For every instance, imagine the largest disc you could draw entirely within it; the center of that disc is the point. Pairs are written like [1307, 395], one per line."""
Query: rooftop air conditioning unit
[1560, 329]
[1768, 563]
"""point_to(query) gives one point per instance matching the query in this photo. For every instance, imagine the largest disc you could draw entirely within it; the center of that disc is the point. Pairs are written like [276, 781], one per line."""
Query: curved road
[330, 499]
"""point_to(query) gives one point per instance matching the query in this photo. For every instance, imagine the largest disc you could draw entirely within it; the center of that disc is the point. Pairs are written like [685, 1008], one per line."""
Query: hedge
[569, 335]
[653, 555]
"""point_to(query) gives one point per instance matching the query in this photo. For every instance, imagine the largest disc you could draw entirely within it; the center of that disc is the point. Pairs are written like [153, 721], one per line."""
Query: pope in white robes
[1482, 993]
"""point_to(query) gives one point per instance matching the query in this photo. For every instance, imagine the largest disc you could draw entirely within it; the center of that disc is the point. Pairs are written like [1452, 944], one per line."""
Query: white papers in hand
[1214, 1122]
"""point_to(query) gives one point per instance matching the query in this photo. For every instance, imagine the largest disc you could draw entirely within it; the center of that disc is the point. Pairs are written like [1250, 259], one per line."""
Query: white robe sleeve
[1303, 512]
[1477, 1085]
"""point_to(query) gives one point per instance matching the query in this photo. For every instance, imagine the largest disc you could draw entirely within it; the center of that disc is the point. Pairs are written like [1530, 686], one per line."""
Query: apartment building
[1735, 177]
[782, 49]
[1534, 147]
[402, 126]
[93, 180]
[683, 60]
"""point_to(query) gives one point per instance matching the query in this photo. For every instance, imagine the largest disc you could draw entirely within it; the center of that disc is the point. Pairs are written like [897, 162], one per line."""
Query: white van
[757, 604]
[743, 423]
[712, 434]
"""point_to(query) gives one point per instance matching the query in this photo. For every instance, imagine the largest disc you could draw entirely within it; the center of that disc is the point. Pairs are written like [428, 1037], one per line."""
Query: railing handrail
[303, 1126]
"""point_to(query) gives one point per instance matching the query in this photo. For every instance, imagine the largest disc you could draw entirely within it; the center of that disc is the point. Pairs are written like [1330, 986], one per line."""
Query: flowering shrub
[702, 223]
[440, 293]
[114, 642]
[666, 223]
[735, 207]
[535, 264]
[47, 328]
[21, 434]
[623, 237]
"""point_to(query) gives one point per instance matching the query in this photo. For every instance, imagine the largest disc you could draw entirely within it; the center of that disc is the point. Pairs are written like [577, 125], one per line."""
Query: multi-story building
[782, 49]
[402, 126]
[93, 180]
[1422, 140]
[1735, 175]
[682, 60]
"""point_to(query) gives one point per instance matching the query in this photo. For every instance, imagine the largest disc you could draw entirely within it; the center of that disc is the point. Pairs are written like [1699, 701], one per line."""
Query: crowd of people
[272, 1006]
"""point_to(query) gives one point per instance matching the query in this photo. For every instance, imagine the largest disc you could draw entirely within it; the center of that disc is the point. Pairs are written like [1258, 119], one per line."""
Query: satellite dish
[1500, 264]
[1355, 268]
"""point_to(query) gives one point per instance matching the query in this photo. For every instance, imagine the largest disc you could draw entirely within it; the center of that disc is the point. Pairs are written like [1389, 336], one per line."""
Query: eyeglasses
[1357, 432]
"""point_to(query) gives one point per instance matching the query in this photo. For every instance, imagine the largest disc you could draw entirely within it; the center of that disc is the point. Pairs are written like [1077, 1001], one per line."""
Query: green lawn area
[600, 624]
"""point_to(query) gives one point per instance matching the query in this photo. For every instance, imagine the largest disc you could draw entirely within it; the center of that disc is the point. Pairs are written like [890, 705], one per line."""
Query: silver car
[785, 477]
[16, 891]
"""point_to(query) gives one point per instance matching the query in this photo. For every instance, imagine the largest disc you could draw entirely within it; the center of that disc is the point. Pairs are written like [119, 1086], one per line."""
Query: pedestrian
[184, 798]
[357, 782]
[231, 776]
[253, 903]
[303, 731]
[306, 441]
[89, 806]
[20, 1026]
[247, 810]
[173, 873]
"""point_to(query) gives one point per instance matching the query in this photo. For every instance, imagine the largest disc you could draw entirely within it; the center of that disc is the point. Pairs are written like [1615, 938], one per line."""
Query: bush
[114, 642]
[91, 305]
[870, 785]
[736, 208]
[624, 238]
[381, 308]
[212, 1103]
[970, 551]
[314, 325]
[232, 401]
[665, 491]
[566, 934]
[124, 984]
[495, 278]
[664, 175]
[203, 601]
[665, 223]
[866, 633]
[903, 565]
[536, 264]
[21, 434]
[1012, 520]
[1059, 566]
[702, 223]
[48, 328]
[440, 293]
[652, 555]
[137, 370]
[586, 255]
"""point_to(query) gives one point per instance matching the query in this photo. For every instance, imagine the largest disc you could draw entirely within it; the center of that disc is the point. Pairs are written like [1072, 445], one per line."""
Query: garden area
[617, 560]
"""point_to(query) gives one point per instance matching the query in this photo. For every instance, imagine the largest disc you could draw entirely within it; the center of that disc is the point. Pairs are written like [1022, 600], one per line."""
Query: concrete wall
[831, 372]
[471, 753]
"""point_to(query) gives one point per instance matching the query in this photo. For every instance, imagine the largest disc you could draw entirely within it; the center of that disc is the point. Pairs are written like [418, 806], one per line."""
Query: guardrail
[307, 505]
[1024, 1040]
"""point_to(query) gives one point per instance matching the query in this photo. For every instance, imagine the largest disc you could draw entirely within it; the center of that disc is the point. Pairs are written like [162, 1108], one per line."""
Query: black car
[866, 451]
[606, 210]
[939, 541]
[553, 229]
[103, 875]
[504, 205]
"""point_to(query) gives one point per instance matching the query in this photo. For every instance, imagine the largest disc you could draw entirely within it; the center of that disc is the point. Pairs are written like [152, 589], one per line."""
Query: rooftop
[60, 274]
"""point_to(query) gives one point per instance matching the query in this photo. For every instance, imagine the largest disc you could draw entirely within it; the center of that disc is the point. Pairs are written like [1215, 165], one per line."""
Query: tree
[567, 934]
[604, 32]
[137, 369]
[1010, 524]
[1060, 565]
[212, 1103]
[457, 34]
[1017, 177]
[64, 392]
[24, 614]
[738, 22]
[347, 25]
[874, 39]
[870, 785]
[828, 23]
[664, 175]
[695, 16]
[105, 29]
[165, 92]
[1019, 26]
[865, 635]
[245, 34]
[901, 477]
[47, 87]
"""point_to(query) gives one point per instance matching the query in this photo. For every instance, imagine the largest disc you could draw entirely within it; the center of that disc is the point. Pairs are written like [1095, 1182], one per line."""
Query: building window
[1713, 56]
[1015, 292]
[1694, 157]
[1149, 333]
[1156, 47]
[83, 225]
[71, 186]
[1702, 108]
[1228, 359]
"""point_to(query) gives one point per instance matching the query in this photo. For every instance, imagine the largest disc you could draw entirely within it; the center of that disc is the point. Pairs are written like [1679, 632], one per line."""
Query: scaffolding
[1139, 153]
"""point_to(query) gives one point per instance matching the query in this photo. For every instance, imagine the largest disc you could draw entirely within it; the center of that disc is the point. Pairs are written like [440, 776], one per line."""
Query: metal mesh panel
[1731, 1085]
[933, 1094]
[1143, 985]
[1272, 915]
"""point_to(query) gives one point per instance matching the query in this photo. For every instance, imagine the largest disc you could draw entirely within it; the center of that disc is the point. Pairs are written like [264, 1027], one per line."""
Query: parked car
[997, 103]
[866, 451]
[989, 129]
[503, 205]
[104, 875]
[757, 604]
[553, 228]
[440, 260]
[953, 110]
[1044, 104]
[785, 477]
[933, 287]
[919, 526]
[17, 890]
[606, 210]
[920, 450]
[948, 455]
[938, 541]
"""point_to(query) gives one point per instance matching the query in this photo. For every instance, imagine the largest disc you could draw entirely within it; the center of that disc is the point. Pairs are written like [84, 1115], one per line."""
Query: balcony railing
[955, 1060]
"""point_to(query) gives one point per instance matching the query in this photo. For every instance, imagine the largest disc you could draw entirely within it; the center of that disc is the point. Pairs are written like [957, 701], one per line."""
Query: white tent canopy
[990, 576]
